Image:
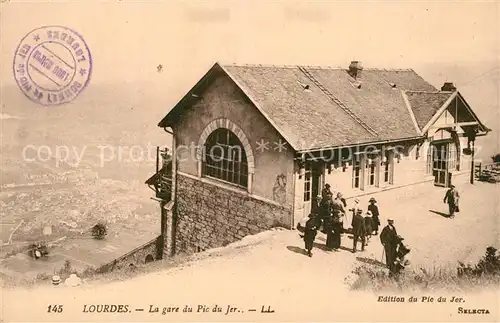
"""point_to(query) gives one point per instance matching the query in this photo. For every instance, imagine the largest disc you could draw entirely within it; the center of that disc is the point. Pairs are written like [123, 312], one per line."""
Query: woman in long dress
[329, 232]
[328, 225]
[337, 230]
[355, 209]
[373, 208]
[336, 222]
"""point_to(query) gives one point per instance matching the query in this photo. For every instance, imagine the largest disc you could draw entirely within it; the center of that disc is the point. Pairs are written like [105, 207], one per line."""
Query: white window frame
[228, 124]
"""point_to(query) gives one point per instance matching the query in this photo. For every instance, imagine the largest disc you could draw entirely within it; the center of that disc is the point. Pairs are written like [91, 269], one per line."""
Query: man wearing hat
[342, 199]
[326, 193]
[326, 199]
[358, 230]
[310, 231]
[373, 208]
[354, 210]
[316, 204]
[452, 198]
[389, 239]
[316, 208]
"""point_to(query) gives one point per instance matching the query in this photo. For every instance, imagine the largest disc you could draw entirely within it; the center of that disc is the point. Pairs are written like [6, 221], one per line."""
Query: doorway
[440, 163]
[312, 183]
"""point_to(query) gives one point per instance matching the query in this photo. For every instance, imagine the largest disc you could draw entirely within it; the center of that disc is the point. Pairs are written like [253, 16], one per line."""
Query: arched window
[225, 158]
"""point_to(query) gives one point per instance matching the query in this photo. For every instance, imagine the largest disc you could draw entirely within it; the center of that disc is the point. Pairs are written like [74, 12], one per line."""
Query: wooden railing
[484, 171]
[165, 185]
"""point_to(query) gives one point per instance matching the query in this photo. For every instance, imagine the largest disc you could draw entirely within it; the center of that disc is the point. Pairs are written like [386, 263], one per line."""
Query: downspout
[174, 162]
[171, 220]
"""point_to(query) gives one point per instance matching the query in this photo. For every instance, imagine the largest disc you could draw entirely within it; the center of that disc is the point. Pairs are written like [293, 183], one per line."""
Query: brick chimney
[448, 87]
[355, 69]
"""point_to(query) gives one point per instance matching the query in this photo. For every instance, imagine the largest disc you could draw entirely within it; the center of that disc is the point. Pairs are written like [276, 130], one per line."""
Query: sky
[128, 39]
[443, 40]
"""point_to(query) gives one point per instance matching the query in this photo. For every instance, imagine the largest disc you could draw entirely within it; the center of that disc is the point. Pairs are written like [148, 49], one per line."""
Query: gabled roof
[482, 127]
[424, 105]
[317, 107]
[466, 117]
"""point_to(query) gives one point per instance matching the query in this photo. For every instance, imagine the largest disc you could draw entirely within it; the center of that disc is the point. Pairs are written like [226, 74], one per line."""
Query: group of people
[334, 219]
[329, 215]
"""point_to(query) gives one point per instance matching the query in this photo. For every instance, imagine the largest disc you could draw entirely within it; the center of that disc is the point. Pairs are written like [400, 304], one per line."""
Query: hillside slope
[271, 269]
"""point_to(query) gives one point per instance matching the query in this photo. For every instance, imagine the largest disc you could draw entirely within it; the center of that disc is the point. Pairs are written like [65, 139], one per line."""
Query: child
[402, 258]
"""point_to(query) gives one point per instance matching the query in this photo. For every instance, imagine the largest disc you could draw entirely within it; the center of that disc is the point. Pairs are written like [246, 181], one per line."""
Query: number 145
[54, 309]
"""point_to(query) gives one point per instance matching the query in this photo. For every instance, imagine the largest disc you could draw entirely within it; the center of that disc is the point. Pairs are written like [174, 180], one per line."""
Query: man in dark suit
[326, 193]
[316, 208]
[389, 239]
[358, 230]
[310, 231]
[452, 198]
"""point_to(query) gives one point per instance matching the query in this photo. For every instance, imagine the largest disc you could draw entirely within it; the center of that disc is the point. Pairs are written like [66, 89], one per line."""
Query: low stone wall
[141, 255]
[209, 216]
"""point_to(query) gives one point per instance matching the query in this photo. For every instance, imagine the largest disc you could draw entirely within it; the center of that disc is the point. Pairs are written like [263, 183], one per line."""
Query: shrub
[66, 270]
[88, 272]
[489, 264]
[99, 231]
[496, 158]
[63, 273]
[38, 250]
[466, 277]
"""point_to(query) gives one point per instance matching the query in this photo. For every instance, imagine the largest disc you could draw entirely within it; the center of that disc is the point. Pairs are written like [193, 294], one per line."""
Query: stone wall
[136, 257]
[210, 216]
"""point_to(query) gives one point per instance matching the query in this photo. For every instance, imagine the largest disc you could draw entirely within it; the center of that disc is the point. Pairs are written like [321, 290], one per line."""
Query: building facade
[254, 145]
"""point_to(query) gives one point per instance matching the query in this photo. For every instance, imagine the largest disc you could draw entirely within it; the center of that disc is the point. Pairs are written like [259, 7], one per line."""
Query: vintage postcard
[196, 161]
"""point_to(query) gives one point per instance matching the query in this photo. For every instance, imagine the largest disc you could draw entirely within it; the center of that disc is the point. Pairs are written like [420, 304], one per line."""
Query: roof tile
[308, 118]
[425, 104]
[311, 120]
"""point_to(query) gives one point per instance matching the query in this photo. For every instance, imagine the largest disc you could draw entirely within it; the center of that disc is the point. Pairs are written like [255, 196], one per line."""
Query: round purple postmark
[52, 65]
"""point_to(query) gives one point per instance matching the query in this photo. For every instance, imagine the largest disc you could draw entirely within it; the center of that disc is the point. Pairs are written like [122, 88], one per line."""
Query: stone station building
[253, 145]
